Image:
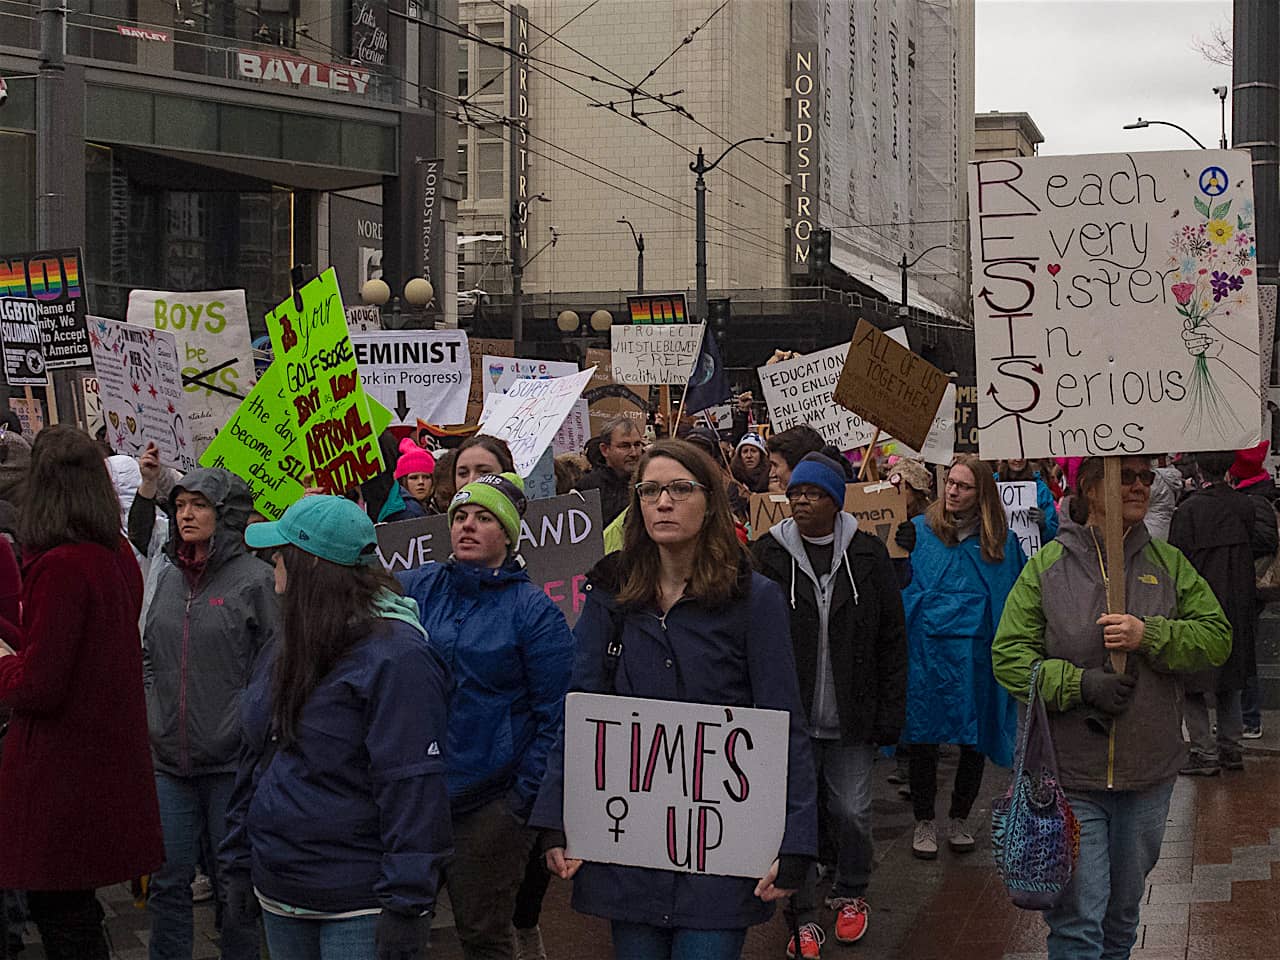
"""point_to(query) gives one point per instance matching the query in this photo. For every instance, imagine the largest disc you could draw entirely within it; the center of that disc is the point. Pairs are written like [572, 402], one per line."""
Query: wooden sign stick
[53, 401]
[866, 457]
[1113, 533]
[664, 400]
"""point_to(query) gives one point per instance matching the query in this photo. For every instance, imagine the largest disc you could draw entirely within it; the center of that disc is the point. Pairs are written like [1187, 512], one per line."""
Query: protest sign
[140, 386]
[654, 354]
[211, 328]
[54, 280]
[540, 484]
[419, 374]
[1115, 304]
[940, 444]
[966, 417]
[798, 391]
[480, 348]
[560, 540]
[607, 400]
[574, 432]
[30, 414]
[1019, 496]
[501, 372]
[880, 508]
[529, 415]
[363, 318]
[92, 404]
[22, 343]
[262, 445]
[888, 385]
[658, 308]
[689, 787]
[316, 367]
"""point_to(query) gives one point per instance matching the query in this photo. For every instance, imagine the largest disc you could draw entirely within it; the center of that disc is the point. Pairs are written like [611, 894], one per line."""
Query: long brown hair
[716, 561]
[67, 495]
[326, 610]
[501, 452]
[993, 526]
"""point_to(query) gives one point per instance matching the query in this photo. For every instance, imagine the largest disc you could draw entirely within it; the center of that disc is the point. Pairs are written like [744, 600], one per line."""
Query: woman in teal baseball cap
[339, 823]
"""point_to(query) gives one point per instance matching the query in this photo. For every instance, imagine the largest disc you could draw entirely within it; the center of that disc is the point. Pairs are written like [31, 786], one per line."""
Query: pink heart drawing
[1053, 269]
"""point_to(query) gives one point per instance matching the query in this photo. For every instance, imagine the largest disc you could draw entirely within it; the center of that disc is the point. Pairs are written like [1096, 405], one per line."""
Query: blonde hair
[993, 526]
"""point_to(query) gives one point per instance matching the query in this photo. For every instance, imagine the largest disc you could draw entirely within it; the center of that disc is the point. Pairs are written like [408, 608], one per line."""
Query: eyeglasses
[960, 486]
[805, 496]
[627, 447]
[650, 490]
[1145, 477]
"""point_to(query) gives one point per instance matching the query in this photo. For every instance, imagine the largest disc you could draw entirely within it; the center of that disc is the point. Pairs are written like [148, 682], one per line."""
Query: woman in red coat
[77, 792]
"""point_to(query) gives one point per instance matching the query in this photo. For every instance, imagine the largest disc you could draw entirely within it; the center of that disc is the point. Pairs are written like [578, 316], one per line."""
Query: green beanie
[502, 494]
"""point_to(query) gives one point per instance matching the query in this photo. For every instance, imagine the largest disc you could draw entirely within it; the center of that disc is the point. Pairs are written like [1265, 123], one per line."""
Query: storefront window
[17, 207]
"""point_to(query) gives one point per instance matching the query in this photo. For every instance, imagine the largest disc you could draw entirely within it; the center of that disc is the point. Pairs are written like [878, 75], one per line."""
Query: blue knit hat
[822, 472]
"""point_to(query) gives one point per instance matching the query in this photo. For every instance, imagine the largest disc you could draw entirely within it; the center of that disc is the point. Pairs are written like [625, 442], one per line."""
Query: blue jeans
[844, 781]
[1251, 705]
[1120, 837]
[293, 938]
[192, 810]
[639, 941]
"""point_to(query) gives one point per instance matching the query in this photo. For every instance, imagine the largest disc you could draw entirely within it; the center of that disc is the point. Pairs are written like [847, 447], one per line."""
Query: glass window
[367, 146]
[464, 66]
[17, 212]
[312, 139]
[462, 169]
[117, 115]
[249, 132]
[490, 169]
[186, 123]
[490, 61]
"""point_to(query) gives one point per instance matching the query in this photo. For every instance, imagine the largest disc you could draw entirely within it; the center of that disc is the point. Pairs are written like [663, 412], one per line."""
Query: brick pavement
[1215, 894]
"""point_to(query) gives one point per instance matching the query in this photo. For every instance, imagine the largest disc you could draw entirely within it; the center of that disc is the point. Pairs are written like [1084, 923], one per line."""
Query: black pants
[923, 767]
[70, 924]
[532, 889]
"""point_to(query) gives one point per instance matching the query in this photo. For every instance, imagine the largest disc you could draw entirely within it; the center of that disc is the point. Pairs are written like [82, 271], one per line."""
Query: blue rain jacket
[953, 606]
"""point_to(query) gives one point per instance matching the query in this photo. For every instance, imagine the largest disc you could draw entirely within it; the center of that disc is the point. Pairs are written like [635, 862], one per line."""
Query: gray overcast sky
[1084, 69]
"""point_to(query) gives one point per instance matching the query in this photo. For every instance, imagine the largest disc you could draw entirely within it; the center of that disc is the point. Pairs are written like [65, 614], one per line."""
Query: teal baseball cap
[331, 528]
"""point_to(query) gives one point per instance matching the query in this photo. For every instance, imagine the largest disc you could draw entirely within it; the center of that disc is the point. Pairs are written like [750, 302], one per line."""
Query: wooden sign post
[1113, 535]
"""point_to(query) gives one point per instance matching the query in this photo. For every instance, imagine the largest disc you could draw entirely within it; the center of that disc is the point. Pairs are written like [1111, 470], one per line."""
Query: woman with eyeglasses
[695, 625]
[1118, 736]
[965, 562]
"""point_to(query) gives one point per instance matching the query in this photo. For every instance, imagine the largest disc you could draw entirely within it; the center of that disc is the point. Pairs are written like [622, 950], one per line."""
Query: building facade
[206, 144]
[999, 134]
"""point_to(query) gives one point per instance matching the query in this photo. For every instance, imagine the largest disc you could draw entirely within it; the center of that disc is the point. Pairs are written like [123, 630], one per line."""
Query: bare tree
[1217, 47]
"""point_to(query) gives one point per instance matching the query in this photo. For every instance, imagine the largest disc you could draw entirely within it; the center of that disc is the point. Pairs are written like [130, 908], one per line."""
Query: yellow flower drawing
[1220, 231]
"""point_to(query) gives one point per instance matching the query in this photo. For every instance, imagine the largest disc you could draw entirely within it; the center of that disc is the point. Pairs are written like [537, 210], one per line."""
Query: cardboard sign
[530, 414]
[262, 445]
[607, 400]
[966, 417]
[888, 385]
[211, 329]
[940, 444]
[481, 348]
[1115, 303]
[363, 318]
[53, 278]
[93, 418]
[22, 342]
[798, 391]
[560, 540]
[654, 354]
[140, 386]
[658, 308]
[419, 374]
[1019, 496]
[30, 415]
[688, 787]
[316, 367]
[880, 508]
[501, 372]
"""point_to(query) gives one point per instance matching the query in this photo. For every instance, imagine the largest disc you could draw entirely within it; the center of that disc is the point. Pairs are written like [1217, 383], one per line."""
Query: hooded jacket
[1165, 493]
[354, 815]
[201, 640]
[953, 605]
[1051, 616]
[509, 651]
[853, 631]
[734, 654]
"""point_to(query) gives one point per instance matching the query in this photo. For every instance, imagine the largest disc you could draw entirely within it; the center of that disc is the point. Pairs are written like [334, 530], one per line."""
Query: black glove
[1106, 690]
[399, 936]
[243, 908]
[1036, 516]
[905, 536]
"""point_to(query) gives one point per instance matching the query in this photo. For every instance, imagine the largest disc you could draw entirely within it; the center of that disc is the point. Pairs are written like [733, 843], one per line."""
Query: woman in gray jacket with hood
[214, 609]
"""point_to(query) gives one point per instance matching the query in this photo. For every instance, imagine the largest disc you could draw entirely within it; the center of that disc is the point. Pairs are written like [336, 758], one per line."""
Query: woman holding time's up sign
[695, 625]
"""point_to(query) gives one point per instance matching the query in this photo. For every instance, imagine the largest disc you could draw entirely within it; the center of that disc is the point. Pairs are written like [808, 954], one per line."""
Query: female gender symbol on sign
[617, 818]
[1213, 181]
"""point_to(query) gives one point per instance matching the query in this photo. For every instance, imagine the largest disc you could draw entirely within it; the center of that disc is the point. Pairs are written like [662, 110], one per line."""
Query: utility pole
[517, 282]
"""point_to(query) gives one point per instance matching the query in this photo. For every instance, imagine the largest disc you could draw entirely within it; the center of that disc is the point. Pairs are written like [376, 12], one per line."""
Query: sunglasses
[1145, 477]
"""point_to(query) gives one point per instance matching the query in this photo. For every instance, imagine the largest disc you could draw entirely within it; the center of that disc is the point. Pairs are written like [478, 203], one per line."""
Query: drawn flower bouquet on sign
[1212, 257]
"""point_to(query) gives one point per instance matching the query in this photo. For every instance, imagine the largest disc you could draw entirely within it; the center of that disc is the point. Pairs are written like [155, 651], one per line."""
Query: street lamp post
[1222, 102]
[701, 167]
[904, 266]
[1141, 124]
[639, 242]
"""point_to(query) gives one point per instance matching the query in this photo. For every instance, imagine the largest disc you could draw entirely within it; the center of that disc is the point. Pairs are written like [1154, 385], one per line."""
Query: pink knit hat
[413, 459]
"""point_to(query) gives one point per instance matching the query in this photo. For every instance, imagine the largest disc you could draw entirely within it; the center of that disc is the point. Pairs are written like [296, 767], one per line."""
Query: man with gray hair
[621, 445]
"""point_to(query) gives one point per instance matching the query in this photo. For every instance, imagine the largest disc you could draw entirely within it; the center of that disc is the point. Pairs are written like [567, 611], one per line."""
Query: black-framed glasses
[1145, 477]
[805, 496]
[650, 490]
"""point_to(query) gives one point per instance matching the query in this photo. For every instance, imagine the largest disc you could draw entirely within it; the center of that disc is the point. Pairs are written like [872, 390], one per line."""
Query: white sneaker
[924, 845]
[961, 839]
[527, 944]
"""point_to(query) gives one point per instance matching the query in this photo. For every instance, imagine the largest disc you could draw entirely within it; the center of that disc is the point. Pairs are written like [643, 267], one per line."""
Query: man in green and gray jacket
[1118, 736]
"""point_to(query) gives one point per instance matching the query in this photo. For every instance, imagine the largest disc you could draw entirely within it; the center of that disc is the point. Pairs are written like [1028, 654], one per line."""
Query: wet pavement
[1215, 894]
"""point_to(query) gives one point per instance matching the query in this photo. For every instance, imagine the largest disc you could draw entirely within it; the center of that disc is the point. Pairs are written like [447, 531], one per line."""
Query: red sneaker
[851, 919]
[811, 940]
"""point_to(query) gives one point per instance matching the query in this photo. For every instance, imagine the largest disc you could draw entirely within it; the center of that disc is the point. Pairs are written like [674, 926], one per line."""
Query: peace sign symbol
[1213, 181]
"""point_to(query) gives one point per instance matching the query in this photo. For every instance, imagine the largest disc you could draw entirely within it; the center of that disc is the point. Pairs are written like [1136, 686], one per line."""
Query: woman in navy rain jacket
[339, 821]
[697, 626]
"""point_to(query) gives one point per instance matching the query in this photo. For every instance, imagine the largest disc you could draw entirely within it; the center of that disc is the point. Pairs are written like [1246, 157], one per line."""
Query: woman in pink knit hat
[415, 476]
